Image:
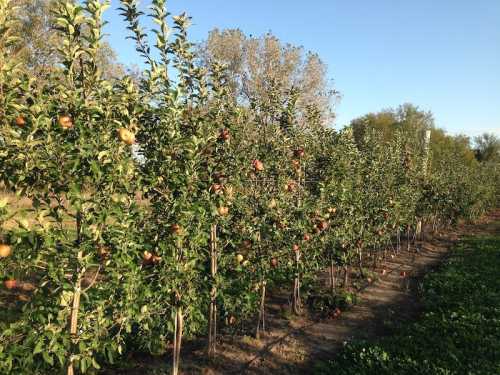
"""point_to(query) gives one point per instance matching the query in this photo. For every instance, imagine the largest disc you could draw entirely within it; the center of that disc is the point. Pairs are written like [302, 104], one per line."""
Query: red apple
[258, 165]
[224, 135]
[299, 152]
[10, 284]
[20, 121]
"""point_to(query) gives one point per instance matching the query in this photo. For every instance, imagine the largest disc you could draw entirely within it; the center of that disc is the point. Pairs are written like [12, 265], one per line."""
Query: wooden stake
[75, 307]
[212, 322]
[179, 325]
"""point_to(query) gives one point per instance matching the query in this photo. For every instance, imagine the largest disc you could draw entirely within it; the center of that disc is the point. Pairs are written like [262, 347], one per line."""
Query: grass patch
[459, 331]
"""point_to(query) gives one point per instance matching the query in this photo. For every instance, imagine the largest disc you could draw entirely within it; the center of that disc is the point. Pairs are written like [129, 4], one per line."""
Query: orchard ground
[301, 344]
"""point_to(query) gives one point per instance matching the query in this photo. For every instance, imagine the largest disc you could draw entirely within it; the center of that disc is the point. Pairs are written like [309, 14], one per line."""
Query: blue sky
[442, 55]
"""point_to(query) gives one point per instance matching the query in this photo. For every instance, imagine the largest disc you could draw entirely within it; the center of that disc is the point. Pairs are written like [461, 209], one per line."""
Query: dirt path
[293, 346]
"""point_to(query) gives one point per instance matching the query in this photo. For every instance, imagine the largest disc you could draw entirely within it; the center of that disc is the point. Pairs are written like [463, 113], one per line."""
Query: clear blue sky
[442, 55]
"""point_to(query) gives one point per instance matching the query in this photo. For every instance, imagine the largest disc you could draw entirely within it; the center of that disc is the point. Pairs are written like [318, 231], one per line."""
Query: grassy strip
[459, 332]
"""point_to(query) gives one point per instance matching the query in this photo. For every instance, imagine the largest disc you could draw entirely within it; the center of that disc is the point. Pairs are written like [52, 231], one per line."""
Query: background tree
[259, 66]
[38, 42]
[487, 147]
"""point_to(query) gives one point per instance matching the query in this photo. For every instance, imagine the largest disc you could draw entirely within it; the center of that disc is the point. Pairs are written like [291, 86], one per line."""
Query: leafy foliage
[154, 199]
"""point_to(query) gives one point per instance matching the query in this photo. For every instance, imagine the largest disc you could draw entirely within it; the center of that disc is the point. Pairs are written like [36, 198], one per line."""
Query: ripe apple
[23, 298]
[5, 250]
[299, 153]
[232, 320]
[220, 177]
[103, 251]
[247, 244]
[239, 258]
[295, 247]
[223, 210]
[274, 262]
[126, 136]
[10, 284]
[290, 187]
[20, 121]
[272, 203]
[322, 225]
[176, 229]
[65, 121]
[224, 135]
[27, 287]
[258, 165]
[147, 256]
[216, 188]
[307, 237]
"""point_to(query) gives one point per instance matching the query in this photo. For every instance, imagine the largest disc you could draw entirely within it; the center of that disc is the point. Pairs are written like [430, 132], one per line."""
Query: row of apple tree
[164, 209]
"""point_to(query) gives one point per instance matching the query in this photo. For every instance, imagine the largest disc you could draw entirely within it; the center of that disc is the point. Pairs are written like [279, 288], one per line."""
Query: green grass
[459, 331]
